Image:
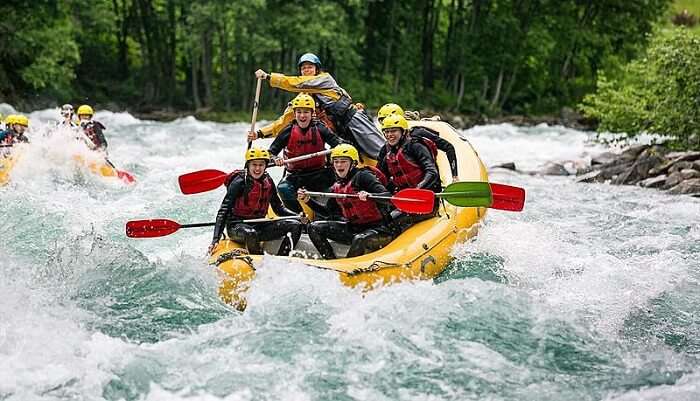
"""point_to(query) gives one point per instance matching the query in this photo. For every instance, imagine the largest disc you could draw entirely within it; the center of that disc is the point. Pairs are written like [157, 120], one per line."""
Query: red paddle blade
[413, 200]
[201, 181]
[506, 197]
[151, 228]
[126, 177]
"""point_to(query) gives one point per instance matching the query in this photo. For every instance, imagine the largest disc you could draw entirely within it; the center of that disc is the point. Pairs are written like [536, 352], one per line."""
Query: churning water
[591, 293]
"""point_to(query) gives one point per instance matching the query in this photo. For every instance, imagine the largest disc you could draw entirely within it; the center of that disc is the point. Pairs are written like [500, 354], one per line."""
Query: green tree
[659, 92]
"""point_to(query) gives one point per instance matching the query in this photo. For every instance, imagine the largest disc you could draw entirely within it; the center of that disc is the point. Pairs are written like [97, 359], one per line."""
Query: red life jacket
[300, 144]
[355, 210]
[404, 172]
[254, 202]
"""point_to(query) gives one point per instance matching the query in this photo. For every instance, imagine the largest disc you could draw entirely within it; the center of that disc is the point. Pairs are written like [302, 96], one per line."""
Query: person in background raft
[249, 194]
[93, 129]
[67, 114]
[443, 145]
[16, 125]
[359, 222]
[302, 137]
[333, 101]
[408, 162]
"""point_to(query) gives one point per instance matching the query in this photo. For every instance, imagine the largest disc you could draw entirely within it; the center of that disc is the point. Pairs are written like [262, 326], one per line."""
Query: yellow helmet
[256, 154]
[345, 150]
[387, 110]
[21, 120]
[9, 120]
[303, 100]
[395, 121]
[85, 109]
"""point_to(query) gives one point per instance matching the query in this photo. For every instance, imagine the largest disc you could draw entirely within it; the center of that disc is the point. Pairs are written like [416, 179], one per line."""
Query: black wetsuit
[251, 234]
[441, 144]
[419, 153]
[362, 238]
[313, 180]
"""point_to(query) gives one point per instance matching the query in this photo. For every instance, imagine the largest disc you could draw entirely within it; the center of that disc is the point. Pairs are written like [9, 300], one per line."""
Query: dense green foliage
[658, 93]
[484, 56]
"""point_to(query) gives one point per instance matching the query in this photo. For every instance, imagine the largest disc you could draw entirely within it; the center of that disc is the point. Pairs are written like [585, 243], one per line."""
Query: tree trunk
[497, 90]
[223, 42]
[428, 34]
[207, 69]
[195, 81]
[460, 94]
[122, 33]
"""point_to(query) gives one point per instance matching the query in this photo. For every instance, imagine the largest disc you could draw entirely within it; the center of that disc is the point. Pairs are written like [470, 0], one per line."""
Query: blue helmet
[311, 58]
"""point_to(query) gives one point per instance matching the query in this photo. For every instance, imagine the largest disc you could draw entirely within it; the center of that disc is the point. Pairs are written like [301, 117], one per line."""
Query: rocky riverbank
[648, 166]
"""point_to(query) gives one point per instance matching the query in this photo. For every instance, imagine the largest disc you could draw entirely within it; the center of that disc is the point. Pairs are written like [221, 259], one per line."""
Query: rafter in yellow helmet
[345, 150]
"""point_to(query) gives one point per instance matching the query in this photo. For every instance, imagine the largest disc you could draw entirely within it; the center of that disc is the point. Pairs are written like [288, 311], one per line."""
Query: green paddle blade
[467, 194]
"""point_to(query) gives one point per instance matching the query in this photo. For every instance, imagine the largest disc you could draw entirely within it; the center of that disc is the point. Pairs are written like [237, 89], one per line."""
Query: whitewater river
[591, 293]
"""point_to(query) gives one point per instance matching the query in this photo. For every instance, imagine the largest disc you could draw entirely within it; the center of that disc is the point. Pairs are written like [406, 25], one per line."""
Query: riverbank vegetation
[487, 57]
[659, 91]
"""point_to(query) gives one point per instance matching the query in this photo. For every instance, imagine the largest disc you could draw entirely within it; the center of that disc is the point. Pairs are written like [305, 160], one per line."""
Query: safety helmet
[387, 110]
[309, 58]
[85, 110]
[257, 154]
[66, 110]
[303, 100]
[395, 121]
[345, 150]
[9, 120]
[21, 120]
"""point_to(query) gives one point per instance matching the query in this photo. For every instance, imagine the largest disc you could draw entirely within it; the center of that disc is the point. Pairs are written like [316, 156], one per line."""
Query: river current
[591, 293]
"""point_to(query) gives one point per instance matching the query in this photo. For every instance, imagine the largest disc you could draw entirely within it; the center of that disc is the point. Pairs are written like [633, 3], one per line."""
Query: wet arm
[234, 190]
[442, 145]
[281, 141]
[423, 157]
[322, 84]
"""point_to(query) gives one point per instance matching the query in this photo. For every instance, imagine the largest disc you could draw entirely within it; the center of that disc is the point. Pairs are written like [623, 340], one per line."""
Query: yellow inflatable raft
[421, 252]
[6, 164]
[104, 169]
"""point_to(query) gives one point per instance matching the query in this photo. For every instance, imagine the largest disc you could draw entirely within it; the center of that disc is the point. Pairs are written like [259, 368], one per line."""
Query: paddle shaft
[304, 157]
[260, 220]
[256, 103]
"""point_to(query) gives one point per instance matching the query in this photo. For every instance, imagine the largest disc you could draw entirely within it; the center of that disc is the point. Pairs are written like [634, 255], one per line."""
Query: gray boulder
[646, 161]
[654, 182]
[593, 176]
[683, 156]
[603, 158]
[553, 169]
[688, 187]
[672, 180]
[680, 165]
[507, 166]
[632, 152]
[689, 173]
